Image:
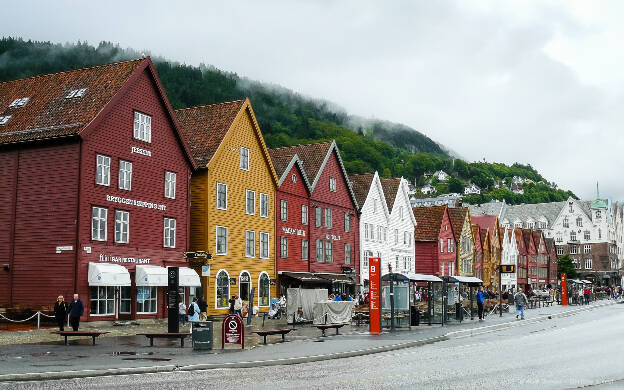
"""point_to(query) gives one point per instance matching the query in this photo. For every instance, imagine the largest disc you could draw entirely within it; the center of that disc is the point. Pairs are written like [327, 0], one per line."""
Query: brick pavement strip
[338, 347]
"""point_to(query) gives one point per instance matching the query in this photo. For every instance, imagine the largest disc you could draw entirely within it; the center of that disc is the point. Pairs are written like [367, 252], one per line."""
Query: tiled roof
[312, 156]
[491, 208]
[48, 112]
[206, 126]
[361, 185]
[537, 235]
[458, 216]
[526, 235]
[429, 222]
[485, 222]
[550, 244]
[281, 160]
[390, 188]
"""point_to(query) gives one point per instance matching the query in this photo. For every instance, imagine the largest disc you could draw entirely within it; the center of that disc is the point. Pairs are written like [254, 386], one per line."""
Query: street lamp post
[391, 298]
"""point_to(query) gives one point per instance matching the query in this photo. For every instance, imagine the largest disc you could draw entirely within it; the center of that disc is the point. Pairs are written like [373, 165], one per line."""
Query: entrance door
[244, 286]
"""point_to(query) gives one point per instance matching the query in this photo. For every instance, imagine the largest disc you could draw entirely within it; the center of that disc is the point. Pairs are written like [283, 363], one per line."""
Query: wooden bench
[265, 333]
[324, 327]
[180, 336]
[67, 333]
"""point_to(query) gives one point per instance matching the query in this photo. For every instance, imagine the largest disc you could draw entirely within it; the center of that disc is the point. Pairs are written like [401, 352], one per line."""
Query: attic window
[76, 93]
[19, 102]
[4, 119]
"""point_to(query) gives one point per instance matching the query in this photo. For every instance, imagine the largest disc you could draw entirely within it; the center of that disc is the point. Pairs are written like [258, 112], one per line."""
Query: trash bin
[202, 335]
[459, 312]
[415, 316]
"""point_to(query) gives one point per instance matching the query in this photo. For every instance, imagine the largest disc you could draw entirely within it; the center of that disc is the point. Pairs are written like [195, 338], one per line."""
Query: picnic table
[68, 333]
[152, 336]
[283, 332]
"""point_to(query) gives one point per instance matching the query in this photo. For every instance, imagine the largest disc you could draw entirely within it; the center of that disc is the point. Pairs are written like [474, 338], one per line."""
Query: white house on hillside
[428, 189]
[441, 175]
[472, 189]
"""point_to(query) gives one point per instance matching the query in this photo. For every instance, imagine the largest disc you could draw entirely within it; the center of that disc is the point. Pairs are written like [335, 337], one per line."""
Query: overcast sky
[537, 82]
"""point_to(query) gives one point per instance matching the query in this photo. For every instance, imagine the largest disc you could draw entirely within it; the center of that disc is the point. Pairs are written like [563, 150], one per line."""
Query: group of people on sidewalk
[195, 312]
[520, 300]
[61, 311]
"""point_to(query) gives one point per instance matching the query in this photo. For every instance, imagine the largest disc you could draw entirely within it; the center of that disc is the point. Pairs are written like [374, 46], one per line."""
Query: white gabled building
[472, 189]
[509, 255]
[441, 175]
[374, 220]
[400, 228]
[427, 189]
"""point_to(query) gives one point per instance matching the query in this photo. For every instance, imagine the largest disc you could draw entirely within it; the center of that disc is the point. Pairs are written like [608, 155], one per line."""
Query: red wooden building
[95, 176]
[531, 248]
[523, 258]
[542, 259]
[331, 228]
[480, 240]
[553, 275]
[434, 241]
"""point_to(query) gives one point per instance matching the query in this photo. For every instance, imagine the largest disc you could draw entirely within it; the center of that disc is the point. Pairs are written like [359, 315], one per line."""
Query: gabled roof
[485, 222]
[550, 245]
[429, 222]
[484, 236]
[527, 236]
[283, 163]
[478, 241]
[458, 216]
[361, 185]
[390, 188]
[537, 236]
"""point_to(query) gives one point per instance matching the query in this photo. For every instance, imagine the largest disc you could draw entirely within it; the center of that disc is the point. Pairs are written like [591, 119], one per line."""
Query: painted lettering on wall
[144, 152]
[119, 259]
[332, 237]
[134, 202]
[298, 232]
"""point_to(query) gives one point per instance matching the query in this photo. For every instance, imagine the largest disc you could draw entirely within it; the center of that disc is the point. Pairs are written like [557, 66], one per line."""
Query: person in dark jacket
[480, 303]
[76, 310]
[203, 306]
[232, 301]
[60, 312]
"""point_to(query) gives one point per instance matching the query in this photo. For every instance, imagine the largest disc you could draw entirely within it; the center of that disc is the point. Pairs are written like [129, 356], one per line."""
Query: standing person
[480, 303]
[521, 301]
[182, 312]
[193, 311]
[238, 306]
[60, 312]
[587, 295]
[203, 306]
[232, 302]
[76, 310]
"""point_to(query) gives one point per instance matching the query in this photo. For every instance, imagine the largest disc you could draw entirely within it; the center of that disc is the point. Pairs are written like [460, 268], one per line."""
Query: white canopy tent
[108, 274]
[151, 275]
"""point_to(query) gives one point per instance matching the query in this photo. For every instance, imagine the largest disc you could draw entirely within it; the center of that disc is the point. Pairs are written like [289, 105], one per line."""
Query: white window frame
[347, 222]
[587, 235]
[125, 299]
[98, 299]
[441, 245]
[142, 127]
[305, 250]
[125, 175]
[332, 184]
[264, 205]
[244, 158]
[153, 300]
[263, 273]
[283, 247]
[217, 229]
[169, 232]
[247, 202]
[170, 184]
[559, 251]
[396, 236]
[328, 219]
[304, 214]
[227, 286]
[224, 186]
[348, 255]
[99, 220]
[265, 242]
[102, 170]
[588, 261]
[318, 216]
[586, 248]
[122, 226]
[319, 249]
[366, 231]
[250, 251]
[450, 246]
[283, 209]
[329, 251]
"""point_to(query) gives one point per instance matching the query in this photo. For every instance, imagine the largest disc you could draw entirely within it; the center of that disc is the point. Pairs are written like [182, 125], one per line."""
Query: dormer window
[4, 120]
[17, 103]
[76, 93]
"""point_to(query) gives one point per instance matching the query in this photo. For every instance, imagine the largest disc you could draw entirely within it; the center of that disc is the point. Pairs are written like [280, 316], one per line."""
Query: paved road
[563, 353]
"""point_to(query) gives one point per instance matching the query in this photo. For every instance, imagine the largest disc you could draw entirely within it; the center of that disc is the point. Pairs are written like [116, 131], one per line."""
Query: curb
[276, 362]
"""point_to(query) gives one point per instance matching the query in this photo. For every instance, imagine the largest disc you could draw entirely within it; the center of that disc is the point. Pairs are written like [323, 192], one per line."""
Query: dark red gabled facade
[523, 260]
[434, 241]
[553, 275]
[52, 177]
[531, 248]
[542, 259]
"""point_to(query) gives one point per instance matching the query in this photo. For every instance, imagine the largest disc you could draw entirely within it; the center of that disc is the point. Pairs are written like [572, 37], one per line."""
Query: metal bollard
[38, 319]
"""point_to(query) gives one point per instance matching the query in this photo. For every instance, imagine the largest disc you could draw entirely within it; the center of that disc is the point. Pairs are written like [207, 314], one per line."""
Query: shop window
[146, 299]
[170, 185]
[250, 243]
[169, 233]
[142, 127]
[264, 205]
[223, 289]
[102, 300]
[125, 175]
[264, 292]
[122, 226]
[244, 286]
[264, 245]
[221, 196]
[98, 223]
[102, 171]
[244, 158]
[125, 300]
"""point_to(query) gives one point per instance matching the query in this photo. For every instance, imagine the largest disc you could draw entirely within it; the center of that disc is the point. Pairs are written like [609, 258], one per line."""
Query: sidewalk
[131, 354]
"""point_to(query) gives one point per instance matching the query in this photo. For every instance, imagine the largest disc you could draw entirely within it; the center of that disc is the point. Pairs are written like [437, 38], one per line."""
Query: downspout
[77, 223]
[14, 222]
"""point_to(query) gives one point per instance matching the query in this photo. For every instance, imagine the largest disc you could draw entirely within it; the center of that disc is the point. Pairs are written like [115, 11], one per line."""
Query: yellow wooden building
[232, 204]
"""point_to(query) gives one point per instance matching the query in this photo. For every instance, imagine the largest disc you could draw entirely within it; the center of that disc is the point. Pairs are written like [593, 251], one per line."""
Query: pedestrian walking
[238, 306]
[521, 301]
[76, 310]
[203, 306]
[480, 303]
[182, 312]
[60, 312]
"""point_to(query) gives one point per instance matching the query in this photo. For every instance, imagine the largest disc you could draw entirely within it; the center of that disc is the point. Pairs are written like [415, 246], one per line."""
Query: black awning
[394, 276]
[336, 278]
[305, 277]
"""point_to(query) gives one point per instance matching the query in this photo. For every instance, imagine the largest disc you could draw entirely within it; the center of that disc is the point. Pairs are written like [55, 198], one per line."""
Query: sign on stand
[173, 299]
[564, 289]
[232, 331]
[374, 273]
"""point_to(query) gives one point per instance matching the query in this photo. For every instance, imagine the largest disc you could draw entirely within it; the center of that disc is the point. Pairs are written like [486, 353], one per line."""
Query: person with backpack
[521, 301]
[193, 311]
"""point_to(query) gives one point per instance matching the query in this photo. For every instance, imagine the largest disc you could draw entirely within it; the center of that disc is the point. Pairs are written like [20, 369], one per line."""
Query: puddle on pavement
[39, 354]
[147, 358]
[131, 353]
[319, 341]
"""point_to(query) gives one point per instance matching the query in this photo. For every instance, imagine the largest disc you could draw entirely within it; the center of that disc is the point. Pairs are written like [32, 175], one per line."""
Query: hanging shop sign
[134, 202]
[119, 259]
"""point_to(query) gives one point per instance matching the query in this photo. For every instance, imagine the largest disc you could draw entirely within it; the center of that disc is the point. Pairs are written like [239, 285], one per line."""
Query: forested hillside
[285, 117]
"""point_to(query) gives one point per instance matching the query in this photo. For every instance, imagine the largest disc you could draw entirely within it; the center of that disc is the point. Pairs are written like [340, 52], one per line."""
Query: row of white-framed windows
[244, 158]
[328, 218]
[142, 127]
[222, 240]
[264, 245]
[347, 249]
[587, 249]
[146, 299]
[304, 214]
[122, 226]
[170, 185]
[102, 176]
[284, 247]
[304, 249]
[99, 219]
[250, 243]
[125, 175]
[221, 196]
[170, 233]
[284, 210]
[250, 202]
[332, 184]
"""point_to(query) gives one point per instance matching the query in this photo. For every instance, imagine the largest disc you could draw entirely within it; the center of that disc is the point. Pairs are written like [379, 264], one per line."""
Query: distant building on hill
[452, 200]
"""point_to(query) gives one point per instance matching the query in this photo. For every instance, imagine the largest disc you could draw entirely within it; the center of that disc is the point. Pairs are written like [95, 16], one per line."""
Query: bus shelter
[459, 297]
[425, 299]
[395, 297]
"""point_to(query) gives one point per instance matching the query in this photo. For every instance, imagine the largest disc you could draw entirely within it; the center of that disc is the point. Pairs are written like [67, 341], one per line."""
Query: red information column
[564, 290]
[374, 295]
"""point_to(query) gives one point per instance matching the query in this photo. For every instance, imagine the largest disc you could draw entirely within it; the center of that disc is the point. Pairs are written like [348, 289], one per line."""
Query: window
[4, 119]
[530, 225]
[250, 243]
[588, 263]
[367, 256]
[332, 184]
[441, 245]
[571, 207]
[304, 214]
[170, 233]
[572, 236]
[223, 289]
[441, 268]
[371, 231]
[170, 185]
[347, 250]
[365, 231]
[244, 158]
[579, 222]
[573, 249]
[98, 223]
[385, 234]
[319, 251]
[222, 240]
[125, 175]
[405, 238]
[318, 217]
[102, 300]
[304, 249]
[264, 292]
[102, 176]
[328, 218]
[379, 233]
[587, 249]
[293, 178]
[328, 252]
[284, 247]
[559, 251]
[264, 245]
[264, 205]
[122, 222]
[250, 200]
[559, 237]
[396, 263]
[221, 196]
[76, 93]
[347, 222]
[142, 127]
[566, 223]
[518, 224]
[125, 301]
[374, 205]
[451, 269]
[587, 235]
[401, 212]
[449, 245]
[599, 230]
[19, 102]
[146, 299]
[284, 210]
[396, 236]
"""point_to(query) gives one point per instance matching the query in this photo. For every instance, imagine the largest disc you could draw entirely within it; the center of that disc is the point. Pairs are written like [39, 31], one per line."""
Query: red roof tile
[485, 222]
[311, 155]
[361, 186]
[429, 222]
[390, 188]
